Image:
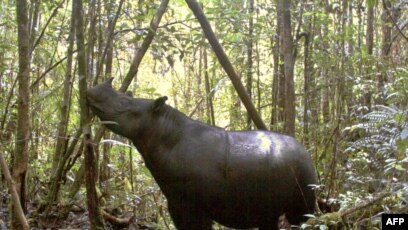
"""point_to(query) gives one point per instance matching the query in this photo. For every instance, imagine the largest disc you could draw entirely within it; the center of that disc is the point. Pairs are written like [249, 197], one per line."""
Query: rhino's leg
[270, 223]
[188, 217]
[269, 226]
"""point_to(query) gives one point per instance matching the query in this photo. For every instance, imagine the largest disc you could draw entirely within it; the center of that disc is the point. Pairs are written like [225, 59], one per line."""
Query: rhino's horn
[109, 82]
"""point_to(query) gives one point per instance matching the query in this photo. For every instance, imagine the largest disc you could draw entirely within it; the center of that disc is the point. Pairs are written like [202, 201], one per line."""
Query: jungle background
[331, 73]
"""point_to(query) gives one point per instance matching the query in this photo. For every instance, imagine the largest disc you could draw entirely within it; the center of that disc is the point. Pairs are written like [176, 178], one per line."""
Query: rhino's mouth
[95, 104]
[98, 112]
[107, 117]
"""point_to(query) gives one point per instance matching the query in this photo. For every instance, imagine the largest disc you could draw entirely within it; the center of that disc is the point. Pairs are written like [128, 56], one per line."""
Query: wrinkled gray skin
[239, 179]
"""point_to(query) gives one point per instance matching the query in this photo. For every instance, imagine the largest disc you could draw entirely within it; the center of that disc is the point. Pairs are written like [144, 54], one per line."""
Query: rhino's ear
[129, 93]
[159, 103]
[109, 82]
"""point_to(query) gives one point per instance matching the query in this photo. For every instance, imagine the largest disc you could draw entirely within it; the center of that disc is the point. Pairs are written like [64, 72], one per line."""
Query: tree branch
[14, 196]
[154, 24]
[394, 24]
[37, 41]
[226, 64]
[111, 28]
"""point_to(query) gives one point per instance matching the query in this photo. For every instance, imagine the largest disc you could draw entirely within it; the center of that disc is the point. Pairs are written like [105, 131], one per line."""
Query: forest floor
[77, 218]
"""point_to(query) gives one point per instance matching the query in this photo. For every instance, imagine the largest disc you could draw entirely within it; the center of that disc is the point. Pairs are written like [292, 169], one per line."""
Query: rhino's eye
[136, 113]
[124, 102]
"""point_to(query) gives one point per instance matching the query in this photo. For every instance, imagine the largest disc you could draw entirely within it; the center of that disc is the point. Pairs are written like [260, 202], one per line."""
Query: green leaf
[371, 3]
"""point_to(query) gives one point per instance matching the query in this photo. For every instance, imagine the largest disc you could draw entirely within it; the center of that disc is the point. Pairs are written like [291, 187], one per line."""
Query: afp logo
[394, 221]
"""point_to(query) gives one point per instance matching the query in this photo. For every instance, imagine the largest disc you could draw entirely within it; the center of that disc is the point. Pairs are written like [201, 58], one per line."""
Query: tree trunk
[386, 27]
[62, 152]
[281, 89]
[79, 180]
[198, 93]
[276, 76]
[306, 89]
[104, 174]
[66, 101]
[35, 17]
[94, 211]
[350, 30]
[108, 50]
[35, 132]
[258, 76]
[370, 45]
[58, 176]
[289, 63]
[89, 53]
[15, 199]
[226, 64]
[250, 42]
[208, 93]
[324, 74]
[21, 153]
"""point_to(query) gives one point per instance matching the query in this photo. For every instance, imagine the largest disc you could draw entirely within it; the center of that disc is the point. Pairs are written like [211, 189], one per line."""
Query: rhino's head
[120, 112]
